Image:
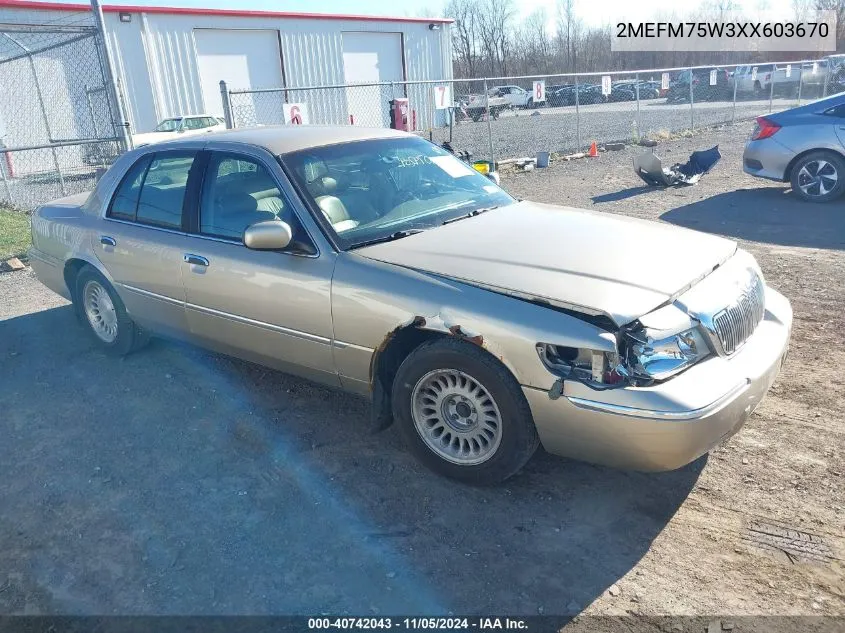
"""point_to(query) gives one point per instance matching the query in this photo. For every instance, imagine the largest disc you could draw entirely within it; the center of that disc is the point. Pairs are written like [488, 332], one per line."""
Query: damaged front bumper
[670, 424]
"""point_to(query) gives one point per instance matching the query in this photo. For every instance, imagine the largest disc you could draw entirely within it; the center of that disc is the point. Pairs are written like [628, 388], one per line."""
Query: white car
[178, 126]
[515, 96]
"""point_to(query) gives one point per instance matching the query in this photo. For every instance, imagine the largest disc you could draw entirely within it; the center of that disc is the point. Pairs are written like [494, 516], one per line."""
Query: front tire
[819, 176]
[104, 316]
[462, 413]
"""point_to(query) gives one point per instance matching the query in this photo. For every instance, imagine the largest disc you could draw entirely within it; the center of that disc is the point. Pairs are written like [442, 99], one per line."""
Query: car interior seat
[323, 188]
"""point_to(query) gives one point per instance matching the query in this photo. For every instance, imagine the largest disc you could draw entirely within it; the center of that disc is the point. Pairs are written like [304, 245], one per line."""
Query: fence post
[3, 163]
[637, 123]
[577, 118]
[691, 109]
[227, 105]
[489, 126]
[46, 119]
[733, 113]
[110, 81]
[800, 81]
[826, 77]
[771, 88]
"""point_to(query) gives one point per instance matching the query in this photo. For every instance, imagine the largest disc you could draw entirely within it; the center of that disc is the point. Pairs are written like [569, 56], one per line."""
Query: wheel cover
[817, 178]
[456, 417]
[99, 309]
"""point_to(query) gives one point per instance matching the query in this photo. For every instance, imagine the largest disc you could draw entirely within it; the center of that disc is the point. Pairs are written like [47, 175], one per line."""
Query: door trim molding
[262, 324]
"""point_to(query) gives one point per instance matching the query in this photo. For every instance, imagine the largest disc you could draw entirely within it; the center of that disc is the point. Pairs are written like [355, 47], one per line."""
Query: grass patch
[14, 233]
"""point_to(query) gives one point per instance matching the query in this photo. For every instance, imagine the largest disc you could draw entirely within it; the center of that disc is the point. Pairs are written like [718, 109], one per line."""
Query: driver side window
[237, 192]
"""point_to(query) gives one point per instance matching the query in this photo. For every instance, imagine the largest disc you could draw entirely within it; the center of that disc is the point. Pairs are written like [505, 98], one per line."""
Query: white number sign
[442, 96]
[296, 113]
[605, 85]
[815, 67]
[754, 74]
[713, 77]
[539, 91]
[664, 81]
[789, 70]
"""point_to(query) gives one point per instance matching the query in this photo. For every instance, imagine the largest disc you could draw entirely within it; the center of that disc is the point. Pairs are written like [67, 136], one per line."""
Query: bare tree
[465, 38]
[837, 6]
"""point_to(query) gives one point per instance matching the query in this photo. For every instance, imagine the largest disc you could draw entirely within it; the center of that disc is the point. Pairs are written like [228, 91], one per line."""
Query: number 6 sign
[296, 113]
[442, 96]
[539, 91]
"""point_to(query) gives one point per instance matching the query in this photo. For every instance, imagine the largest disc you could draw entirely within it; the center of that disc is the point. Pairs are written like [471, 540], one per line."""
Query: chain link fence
[58, 123]
[511, 117]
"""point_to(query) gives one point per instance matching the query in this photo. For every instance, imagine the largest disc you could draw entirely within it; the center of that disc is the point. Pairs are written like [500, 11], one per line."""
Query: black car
[587, 94]
[679, 90]
[622, 92]
[553, 94]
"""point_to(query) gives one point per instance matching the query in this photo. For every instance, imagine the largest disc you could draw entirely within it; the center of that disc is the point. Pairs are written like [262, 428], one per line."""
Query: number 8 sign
[539, 91]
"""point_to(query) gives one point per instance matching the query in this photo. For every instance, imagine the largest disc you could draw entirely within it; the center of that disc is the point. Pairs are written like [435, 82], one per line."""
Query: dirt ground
[176, 481]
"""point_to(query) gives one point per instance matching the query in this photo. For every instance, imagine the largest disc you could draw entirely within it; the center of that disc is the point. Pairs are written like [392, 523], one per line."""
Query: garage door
[243, 59]
[368, 58]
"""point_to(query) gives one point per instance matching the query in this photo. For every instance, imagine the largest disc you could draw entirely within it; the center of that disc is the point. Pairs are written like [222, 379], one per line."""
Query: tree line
[489, 40]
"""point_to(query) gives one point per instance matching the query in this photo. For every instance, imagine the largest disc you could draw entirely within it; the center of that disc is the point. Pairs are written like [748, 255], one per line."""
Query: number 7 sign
[442, 96]
[539, 91]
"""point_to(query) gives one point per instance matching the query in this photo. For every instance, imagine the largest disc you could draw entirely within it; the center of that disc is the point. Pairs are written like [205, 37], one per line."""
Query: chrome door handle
[105, 240]
[196, 260]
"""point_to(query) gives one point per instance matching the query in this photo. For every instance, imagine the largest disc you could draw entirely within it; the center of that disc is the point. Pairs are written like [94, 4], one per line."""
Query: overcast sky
[592, 12]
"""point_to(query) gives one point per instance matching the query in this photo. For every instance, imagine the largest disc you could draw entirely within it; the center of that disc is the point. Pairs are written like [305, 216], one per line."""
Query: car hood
[148, 138]
[597, 263]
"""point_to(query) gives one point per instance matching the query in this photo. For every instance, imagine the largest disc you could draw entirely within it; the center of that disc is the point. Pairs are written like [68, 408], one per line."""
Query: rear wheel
[819, 176]
[462, 413]
[103, 314]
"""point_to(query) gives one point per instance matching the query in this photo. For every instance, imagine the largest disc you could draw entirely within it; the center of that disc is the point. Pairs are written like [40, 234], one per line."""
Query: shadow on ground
[623, 194]
[771, 214]
[179, 482]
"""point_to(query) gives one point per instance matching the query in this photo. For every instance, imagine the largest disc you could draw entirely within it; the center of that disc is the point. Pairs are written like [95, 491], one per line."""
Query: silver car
[376, 262]
[804, 146]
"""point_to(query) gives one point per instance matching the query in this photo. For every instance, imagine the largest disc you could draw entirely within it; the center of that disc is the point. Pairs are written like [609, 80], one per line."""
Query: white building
[170, 61]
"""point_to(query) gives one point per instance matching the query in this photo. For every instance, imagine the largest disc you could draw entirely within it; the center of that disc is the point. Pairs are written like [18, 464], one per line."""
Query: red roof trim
[55, 6]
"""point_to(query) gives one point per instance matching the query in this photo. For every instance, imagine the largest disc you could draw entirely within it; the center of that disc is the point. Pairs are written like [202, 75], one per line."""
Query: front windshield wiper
[471, 214]
[397, 235]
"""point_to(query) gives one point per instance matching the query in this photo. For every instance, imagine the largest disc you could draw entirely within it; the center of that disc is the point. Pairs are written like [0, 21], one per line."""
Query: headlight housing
[659, 359]
[664, 343]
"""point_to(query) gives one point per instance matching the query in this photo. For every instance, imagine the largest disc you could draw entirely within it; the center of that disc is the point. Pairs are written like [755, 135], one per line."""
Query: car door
[837, 116]
[141, 239]
[271, 307]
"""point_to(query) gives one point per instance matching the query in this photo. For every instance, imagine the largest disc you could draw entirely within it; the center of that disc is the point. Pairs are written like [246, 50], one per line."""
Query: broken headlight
[660, 358]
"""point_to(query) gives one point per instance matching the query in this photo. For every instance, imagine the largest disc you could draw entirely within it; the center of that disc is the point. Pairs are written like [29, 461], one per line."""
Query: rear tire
[462, 413]
[103, 315]
[819, 176]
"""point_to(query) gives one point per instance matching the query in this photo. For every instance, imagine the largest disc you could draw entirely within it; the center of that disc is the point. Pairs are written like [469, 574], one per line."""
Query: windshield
[168, 125]
[370, 190]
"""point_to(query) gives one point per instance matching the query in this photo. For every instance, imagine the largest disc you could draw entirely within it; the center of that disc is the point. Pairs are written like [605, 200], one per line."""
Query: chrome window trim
[208, 237]
[680, 416]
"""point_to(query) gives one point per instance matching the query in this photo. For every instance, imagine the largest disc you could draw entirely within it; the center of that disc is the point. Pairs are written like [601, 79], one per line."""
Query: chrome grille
[737, 322]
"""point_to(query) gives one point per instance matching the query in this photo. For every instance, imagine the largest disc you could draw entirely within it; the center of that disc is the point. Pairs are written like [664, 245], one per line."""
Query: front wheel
[819, 176]
[462, 413]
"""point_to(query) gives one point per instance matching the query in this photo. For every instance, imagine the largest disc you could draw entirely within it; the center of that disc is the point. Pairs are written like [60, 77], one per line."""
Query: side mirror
[270, 235]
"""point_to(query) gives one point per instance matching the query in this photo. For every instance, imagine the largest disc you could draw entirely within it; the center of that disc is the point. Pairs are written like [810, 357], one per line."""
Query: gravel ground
[178, 481]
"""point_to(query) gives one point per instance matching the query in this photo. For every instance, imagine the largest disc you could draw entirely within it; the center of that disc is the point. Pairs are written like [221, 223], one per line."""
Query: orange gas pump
[400, 114]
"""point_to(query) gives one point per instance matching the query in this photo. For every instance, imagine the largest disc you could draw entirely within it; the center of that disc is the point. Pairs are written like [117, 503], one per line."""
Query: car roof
[291, 138]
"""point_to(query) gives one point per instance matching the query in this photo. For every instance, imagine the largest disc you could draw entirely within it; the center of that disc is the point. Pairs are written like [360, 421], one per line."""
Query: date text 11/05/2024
[418, 623]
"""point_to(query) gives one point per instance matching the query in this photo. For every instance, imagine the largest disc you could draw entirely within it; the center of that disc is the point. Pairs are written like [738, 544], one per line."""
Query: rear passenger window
[153, 191]
[125, 202]
[163, 192]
